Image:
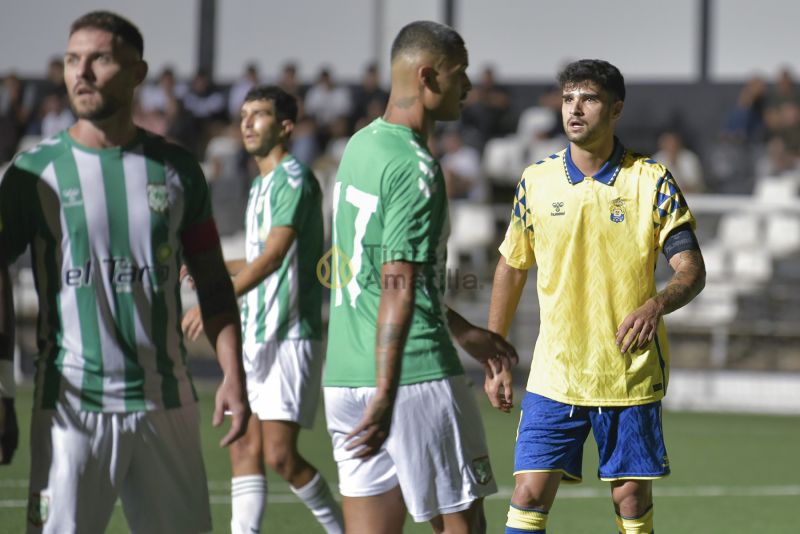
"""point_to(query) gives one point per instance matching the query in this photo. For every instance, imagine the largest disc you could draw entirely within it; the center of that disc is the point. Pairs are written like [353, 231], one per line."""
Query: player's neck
[409, 112]
[117, 130]
[266, 164]
[590, 158]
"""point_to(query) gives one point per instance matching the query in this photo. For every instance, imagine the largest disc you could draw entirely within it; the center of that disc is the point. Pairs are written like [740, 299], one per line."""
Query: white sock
[248, 500]
[318, 498]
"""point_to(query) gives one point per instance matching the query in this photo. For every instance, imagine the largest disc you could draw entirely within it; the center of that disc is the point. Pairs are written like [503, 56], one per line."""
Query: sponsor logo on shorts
[482, 470]
[665, 461]
[38, 509]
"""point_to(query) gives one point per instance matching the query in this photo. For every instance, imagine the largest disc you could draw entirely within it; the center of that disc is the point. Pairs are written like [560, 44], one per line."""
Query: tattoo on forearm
[388, 347]
[686, 283]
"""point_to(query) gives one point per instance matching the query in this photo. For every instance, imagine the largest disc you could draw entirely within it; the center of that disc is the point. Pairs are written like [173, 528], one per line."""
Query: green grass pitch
[731, 474]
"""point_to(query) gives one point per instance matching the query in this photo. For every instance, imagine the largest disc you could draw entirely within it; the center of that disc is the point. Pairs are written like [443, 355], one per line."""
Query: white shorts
[82, 461]
[436, 450]
[284, 379]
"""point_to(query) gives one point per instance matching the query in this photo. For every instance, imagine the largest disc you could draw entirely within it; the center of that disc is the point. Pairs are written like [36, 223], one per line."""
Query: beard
[100, 109]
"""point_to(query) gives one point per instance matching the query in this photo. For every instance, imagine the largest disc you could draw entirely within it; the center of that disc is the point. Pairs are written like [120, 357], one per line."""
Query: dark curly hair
[603, 73]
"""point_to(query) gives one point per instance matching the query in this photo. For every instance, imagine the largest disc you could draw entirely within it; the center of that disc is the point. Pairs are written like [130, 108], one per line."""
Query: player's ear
[140, 71]
[287, 127]
[426, 75]
[617, 109]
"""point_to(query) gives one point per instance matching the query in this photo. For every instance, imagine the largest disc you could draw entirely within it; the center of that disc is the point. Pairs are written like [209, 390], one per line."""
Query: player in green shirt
[281, 316]
[390, 356]
[108, 211]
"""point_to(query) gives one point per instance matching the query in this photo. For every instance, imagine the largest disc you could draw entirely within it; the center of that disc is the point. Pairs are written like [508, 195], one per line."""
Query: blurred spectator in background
[461, 166]
[157, 103]
[784, 90]
[326, 101]
[16, 107]
[240, 88]
[157, 96]
[207, 107]
[305, 143]
[368, 94]
[288, 79]
[778, 160]
[227, 182]
[745, 123]
[56, 115]
[684, 164]
[486, 111]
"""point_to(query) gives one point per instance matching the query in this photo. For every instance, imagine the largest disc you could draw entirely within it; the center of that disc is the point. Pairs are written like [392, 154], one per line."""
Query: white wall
[754, 37]
[531, 40]
[32, 31]
[526, 40]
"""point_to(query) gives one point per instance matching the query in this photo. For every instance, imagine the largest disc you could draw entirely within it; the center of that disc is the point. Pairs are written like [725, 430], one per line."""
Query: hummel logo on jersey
[72, 197]
[557, 209]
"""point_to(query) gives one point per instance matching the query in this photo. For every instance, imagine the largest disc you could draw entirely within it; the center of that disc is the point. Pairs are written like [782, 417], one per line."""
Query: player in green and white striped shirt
[108, 211]
[281, 316]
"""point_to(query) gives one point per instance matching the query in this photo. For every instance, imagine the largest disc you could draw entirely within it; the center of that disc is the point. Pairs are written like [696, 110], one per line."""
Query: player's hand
[232, 397]
[373, 430]
[192, 323]
[184, 275]
[485, 345]
[9, 431]
[498, 384]
[639, 328]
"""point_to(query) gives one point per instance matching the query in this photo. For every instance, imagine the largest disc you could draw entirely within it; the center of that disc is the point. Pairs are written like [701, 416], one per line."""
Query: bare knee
[536, 490]
[469, 521]
[632, 498]
[281, 458]
[245, 455]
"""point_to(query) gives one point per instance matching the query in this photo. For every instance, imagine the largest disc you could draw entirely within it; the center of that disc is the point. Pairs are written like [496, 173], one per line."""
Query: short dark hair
[427, 36]
[118, 26]
[285, 104]
[603, 73]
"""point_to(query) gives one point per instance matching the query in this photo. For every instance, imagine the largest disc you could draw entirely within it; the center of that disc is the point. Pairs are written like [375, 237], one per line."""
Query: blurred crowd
[483, 152]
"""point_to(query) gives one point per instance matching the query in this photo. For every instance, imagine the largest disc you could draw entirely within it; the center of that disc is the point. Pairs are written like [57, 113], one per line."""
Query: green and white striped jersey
[106, 229]
[288, 303]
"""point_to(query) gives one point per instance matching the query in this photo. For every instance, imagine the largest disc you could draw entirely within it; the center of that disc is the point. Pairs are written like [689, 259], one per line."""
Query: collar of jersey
[140, 134]
[607, 173]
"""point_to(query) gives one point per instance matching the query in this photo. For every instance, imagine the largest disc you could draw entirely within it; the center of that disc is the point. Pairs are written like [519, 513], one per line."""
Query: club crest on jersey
[617, 210]
[482, 470]
[38, 509]
[157, 197]
[557, 207]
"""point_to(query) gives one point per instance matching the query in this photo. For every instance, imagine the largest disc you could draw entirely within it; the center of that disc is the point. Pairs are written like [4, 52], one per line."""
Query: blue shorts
[630, 441]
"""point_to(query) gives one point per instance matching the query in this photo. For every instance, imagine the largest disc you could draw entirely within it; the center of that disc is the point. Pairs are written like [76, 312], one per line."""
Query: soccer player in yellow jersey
[593, 218]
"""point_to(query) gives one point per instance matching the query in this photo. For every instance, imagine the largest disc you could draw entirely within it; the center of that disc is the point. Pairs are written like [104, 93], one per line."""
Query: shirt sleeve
[670, 210]
[414, 208]
[287, 198]
[17, 206]
[198, 229]
[517, 246]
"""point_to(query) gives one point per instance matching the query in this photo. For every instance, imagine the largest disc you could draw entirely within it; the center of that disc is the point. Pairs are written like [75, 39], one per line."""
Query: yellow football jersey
[595, 241]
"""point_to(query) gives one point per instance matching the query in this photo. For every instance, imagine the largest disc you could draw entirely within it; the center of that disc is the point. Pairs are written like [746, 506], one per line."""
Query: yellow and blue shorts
[551, 434]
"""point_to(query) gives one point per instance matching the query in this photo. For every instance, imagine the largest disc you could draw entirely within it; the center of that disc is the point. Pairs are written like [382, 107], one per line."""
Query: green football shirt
[389, 204]
[106, 229]
[288, 303]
